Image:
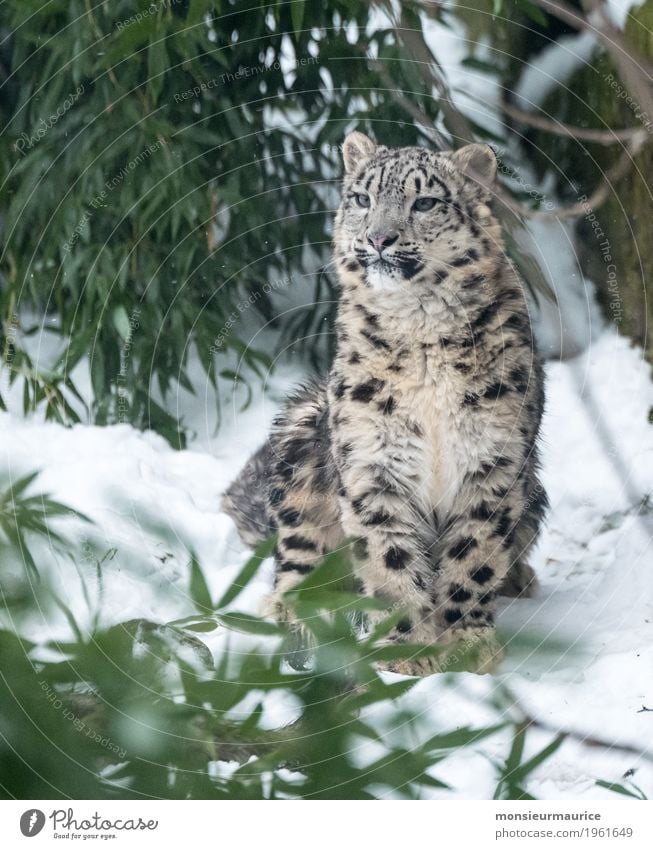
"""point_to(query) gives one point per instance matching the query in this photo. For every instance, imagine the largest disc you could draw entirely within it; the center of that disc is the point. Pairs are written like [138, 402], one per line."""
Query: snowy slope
[594, 559]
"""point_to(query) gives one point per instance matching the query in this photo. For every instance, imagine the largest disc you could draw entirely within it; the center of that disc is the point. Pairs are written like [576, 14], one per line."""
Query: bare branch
[559, 128]
[636, 73]
[612, 176]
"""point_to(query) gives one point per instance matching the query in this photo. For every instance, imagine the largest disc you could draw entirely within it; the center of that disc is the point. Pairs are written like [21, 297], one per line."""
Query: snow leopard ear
[478, 162]
[357, 148]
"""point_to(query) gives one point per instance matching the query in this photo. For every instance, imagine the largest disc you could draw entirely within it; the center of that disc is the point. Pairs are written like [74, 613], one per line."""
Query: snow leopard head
[410, 217]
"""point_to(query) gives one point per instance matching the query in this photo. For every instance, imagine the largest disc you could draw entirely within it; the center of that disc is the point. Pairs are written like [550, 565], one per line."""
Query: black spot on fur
[379, 517]
[375, 340]
[296, 541]
[486, 315]
[473, 281]
[291, 518]
[354, 358]
[388, 406]
[461, 548]
[482, 575]
[517, 322]
[340, 388]
[396, 558]
[366, 391]
[453, 615]
[501, 462]
[481, 512]
[352, 265]
[459, 594]
[519, 377]
[289, 566]
[537, 503]
[503, 525]
[276, 496]
[296, 451]
[471, 399]
[496, 390]
[404, 626]
[284, 470]
[465, 259]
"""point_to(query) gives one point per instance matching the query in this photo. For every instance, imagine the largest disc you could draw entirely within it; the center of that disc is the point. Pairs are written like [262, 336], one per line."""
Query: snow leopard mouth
[407, 266]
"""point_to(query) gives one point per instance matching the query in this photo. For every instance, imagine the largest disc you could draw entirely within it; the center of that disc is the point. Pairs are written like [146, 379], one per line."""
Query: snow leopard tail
[292, 477]
[247, 499]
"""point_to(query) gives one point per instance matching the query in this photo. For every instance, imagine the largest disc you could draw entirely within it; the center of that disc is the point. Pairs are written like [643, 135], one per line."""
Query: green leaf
[523, 771]
[157, 64]
[199, 590]
[248, 624]
[121, 322]
[619, 788]
[247, 573]
[460, 737]
[297, 15]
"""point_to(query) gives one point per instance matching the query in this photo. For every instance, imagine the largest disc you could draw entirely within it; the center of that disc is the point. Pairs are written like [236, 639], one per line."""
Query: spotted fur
[422, 442]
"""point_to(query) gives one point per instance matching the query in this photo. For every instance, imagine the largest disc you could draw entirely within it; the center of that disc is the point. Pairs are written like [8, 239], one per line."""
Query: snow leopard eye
[362, 200]
[424, 204]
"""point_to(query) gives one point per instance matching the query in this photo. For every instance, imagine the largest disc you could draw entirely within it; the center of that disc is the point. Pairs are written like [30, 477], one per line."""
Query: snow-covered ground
[594, 560]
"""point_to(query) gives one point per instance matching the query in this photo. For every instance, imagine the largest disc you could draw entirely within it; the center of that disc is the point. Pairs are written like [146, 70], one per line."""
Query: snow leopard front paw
[299, 643]
[463, 650]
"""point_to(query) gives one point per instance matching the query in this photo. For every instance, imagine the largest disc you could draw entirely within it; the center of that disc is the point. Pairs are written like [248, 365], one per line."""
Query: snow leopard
[420, 447]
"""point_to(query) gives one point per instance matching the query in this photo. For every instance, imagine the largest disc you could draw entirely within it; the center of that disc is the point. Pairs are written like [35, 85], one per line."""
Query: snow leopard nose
[382, 240]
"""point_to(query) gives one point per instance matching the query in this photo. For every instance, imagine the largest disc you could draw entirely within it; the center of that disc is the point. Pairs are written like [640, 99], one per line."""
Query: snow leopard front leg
[476, 556]
[381, 510]
[392, 545]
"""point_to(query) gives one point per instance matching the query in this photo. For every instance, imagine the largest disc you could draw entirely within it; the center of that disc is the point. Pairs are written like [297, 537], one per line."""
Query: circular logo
[32, 822]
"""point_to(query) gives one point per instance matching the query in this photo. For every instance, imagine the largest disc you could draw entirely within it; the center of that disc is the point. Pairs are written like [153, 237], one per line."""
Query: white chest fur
[452, 439]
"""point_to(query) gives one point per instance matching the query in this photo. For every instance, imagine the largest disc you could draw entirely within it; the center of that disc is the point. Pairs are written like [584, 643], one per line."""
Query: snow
[553, 67]
[618, 10]
[593, 561]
